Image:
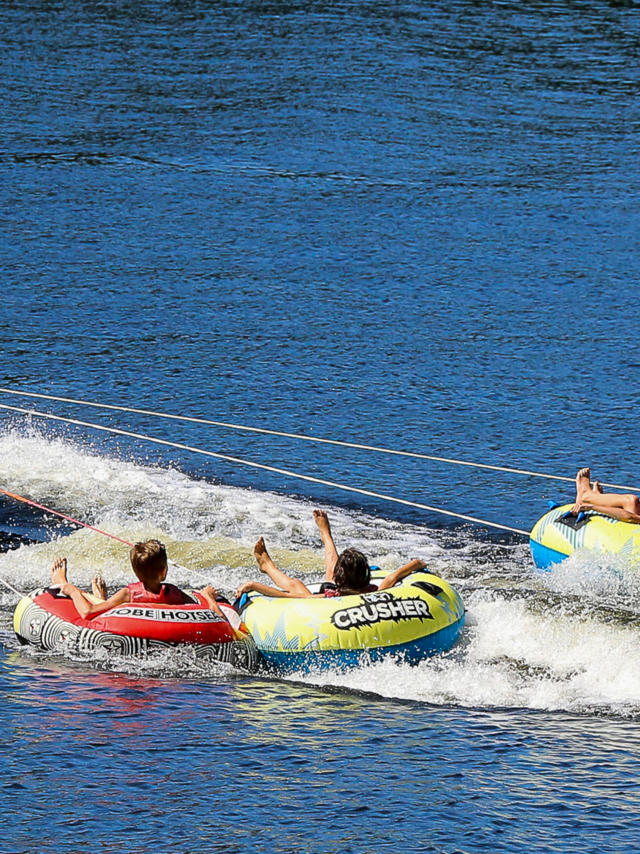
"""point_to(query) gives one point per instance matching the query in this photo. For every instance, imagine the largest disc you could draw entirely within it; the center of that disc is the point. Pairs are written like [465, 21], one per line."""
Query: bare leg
[99, 588]
[611, 499]
[583, 489]
[616, 512]
[330, 551]
[625, 507]
[291, 585]
[59, 579]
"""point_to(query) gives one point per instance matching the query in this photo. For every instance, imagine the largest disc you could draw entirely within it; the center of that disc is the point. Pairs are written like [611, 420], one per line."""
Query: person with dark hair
[351, 573]
[346, 574]
[149, 563]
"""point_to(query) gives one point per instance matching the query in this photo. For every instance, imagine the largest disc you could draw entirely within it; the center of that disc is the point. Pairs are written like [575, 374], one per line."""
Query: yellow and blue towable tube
[559, 534]
[418, 618]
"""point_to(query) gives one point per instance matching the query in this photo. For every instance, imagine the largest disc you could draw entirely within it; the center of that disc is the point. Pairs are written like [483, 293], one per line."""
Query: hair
[352, 571]
[148, 560]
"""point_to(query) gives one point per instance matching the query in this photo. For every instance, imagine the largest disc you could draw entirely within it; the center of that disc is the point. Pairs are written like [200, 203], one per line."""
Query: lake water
[399, 224]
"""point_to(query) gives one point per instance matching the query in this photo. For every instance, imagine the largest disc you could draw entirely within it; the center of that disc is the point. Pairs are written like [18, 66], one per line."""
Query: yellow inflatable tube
[418, 618]
[558, 534]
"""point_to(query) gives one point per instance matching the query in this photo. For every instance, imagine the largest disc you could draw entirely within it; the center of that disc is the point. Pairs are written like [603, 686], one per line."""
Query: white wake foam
[208, 527]
[564, 640]
[516, 655]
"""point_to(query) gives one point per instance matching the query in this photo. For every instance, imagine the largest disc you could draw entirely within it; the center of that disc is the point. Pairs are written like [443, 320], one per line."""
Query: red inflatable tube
[192, 624]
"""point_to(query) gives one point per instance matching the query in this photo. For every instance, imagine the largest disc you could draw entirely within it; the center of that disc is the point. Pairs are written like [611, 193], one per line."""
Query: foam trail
[596, 577]
[515, 657]
[204, 525]
[564, 640]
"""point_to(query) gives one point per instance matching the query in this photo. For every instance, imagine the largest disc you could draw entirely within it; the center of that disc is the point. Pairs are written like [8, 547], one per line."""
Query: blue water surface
[139, 765]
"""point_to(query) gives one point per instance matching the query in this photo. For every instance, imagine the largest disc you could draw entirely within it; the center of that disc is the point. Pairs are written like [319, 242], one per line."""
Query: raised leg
[266, 564]
[623, 506]
[330, 551]
[616, 512]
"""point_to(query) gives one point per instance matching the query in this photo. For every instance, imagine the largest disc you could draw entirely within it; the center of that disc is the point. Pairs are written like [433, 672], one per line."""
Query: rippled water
[245, 765]
[410, 225]
[524, 734]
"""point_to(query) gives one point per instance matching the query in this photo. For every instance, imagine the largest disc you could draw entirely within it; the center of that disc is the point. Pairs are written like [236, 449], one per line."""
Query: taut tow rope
[63, 516]
[300, 436]
[82, 525]
[55, 513]
[286, 472]
[11, 587]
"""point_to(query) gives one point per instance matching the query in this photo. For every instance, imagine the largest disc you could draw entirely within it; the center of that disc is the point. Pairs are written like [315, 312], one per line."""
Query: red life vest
[169, 595]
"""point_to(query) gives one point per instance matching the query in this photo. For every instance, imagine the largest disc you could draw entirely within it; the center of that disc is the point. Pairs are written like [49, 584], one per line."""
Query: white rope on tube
[262, 466]
[11, 587]
[317, 439]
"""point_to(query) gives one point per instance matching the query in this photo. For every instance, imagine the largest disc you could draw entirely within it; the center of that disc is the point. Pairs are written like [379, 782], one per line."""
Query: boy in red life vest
[149, 562]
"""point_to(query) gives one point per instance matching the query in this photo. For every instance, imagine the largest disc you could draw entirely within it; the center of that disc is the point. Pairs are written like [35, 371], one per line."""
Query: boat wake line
[34, 413]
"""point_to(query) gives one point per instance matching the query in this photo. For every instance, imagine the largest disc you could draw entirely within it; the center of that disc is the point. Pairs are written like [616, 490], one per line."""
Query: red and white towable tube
[51, 622]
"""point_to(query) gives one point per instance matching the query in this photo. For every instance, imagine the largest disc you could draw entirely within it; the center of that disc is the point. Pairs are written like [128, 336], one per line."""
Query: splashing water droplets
[564, 640]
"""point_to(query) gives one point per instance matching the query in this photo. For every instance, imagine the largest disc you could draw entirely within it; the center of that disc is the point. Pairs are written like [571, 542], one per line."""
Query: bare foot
[99, 588]
[261, 554]
[322, 521]
[59, 572]
[597, 486]
[583, 484]
[583, 478]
